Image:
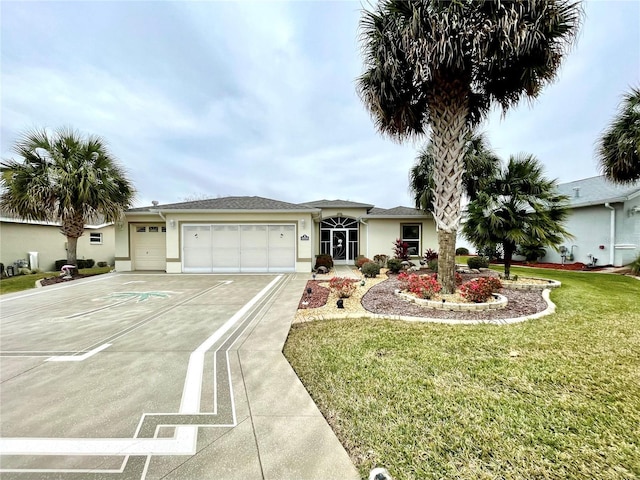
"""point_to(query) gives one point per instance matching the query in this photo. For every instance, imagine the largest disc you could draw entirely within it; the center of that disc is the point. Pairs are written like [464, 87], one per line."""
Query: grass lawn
[553, 398]
[25, 282]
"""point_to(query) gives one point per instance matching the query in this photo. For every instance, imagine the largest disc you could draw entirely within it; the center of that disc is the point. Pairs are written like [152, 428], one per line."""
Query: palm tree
[64, 177]
[619, 148]
[519, 206]
[442, 64]
[480, 162]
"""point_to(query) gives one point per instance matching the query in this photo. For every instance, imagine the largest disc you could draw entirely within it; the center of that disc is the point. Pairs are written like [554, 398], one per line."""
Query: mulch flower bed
[53, 280]
[318, 297]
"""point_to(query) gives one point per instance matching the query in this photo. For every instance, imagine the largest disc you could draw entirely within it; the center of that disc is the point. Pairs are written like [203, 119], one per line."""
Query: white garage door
[238, 248]
[149, 247]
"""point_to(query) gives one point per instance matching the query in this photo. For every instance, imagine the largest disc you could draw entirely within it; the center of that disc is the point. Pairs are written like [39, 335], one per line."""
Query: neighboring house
[605, 221]
[19, 238]
[255, 234]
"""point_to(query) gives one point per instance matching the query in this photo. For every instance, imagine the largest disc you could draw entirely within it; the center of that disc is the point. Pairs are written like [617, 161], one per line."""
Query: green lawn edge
[555, 397]
[19, 283]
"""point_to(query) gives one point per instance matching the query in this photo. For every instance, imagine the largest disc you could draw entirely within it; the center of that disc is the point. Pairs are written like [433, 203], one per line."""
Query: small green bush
[394, 264]
[361, 260]
[24, 271]
[102, 264]
[433, 265]
[462, 251]
[477, 262]
[323, 260]
[60, 263]
[635, 266]
[370, 269]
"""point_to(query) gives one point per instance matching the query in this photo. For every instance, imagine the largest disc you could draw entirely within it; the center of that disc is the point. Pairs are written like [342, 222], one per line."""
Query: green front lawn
[25, 282]
[557, 397]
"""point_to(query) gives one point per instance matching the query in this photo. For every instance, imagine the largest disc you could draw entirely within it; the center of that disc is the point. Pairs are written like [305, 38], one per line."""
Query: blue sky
[258, 98]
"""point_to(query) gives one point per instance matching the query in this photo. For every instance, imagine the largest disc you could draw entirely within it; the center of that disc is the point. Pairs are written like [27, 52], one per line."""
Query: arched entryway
[339, 238]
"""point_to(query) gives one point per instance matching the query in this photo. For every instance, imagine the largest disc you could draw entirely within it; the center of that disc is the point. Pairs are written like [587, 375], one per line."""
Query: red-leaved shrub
[343, 287]
[481, 289]
[423, 286]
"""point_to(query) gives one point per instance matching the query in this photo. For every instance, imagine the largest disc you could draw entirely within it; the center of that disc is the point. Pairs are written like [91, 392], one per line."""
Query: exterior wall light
[172, 223]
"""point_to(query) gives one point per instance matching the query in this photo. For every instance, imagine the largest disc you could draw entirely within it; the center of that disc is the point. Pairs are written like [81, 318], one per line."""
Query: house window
[141, 229]
[153, 229]
[411, 235]
[95, 238]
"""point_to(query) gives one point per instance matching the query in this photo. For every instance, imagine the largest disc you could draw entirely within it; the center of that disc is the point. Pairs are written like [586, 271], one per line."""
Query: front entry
[339, 245]
[339, 238]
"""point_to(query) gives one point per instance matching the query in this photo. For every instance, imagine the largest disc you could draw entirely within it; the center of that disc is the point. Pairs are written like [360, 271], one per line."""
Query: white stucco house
[20, 238]
[605, 221]
[255, 234]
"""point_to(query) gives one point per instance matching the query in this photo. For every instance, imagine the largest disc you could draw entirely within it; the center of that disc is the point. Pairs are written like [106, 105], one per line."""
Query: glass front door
[339, 245]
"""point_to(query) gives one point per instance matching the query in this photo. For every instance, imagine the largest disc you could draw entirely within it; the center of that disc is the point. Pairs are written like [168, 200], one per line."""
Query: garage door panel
[149, 247]
[197, 248]
[240, 248]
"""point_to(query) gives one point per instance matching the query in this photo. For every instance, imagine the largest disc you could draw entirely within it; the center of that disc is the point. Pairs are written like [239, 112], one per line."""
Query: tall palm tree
[480, 164]
[519, 206]
[442, 64]
[618, 150]
[65, 177]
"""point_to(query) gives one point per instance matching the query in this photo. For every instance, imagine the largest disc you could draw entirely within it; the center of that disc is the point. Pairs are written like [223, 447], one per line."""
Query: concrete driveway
[130, 376]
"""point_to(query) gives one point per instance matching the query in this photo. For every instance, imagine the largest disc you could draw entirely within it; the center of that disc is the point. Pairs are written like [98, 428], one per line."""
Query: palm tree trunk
[449, 110]
[508, 248]
[72, 228]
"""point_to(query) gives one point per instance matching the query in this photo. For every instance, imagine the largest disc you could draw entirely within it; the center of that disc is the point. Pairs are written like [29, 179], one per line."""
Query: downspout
[612, 233]
[366, 225]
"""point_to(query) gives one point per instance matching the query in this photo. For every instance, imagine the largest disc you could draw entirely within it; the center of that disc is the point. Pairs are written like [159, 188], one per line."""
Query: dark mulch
[555, 266]
[58, 279]
[318, 297]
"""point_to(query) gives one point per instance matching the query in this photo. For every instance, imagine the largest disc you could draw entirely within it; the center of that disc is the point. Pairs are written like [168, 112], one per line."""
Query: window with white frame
[411, 236]
[95, 238]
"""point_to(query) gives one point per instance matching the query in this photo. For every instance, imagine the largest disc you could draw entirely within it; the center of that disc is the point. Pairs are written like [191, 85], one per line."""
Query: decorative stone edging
[499, 303]
[532, 286]
[551, 308]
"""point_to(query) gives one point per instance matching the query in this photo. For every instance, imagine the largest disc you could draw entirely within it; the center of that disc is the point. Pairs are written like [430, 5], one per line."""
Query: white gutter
[366, 225]
[612, 233]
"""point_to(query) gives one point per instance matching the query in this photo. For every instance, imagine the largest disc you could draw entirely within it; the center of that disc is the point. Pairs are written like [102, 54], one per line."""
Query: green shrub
[531, 252]
[477, 262]
[361, 260]
[394, 264]
[323, 260]
[24, 271]
[102, 264]
[433, 265]
[370, 269]
[635, 266]
[462, 251]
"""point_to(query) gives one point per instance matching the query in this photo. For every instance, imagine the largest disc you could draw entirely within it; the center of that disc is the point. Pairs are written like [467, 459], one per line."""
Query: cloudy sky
[258, 98]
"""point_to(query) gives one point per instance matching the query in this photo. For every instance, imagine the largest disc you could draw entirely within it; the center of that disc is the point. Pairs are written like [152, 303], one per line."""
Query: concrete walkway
[159, 376]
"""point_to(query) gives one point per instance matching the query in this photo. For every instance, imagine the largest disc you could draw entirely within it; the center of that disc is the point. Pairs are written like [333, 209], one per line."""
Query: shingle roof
[227, 203]
[95, 222]
[337, 204]
[597, 190]
[399, 211]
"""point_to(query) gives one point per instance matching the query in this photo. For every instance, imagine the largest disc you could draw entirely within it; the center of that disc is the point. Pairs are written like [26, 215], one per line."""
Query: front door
[339, 246]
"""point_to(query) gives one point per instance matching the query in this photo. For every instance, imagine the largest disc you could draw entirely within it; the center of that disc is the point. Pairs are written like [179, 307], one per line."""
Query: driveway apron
[150, 376]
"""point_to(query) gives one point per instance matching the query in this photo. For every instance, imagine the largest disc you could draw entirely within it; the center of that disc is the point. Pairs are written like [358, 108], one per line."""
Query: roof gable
[597, 190]
[228, 203]
[337, 204]
[398, 211]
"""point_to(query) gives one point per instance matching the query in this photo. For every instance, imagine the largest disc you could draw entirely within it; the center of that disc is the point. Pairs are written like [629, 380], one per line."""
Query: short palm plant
[519, 206]
[64, 177]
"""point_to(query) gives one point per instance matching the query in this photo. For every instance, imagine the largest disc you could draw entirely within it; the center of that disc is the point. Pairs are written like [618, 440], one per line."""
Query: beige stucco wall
[380, 234]
[304, 248]
[17, 239]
